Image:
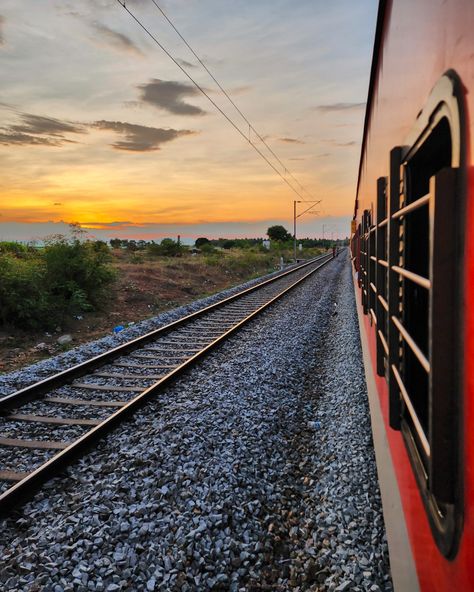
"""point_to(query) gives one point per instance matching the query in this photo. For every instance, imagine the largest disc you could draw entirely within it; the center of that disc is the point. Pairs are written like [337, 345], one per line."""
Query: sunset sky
[99, 126]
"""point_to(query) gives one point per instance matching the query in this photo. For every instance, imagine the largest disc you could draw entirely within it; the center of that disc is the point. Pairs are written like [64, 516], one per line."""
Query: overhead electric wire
[229, 98]
[199, 87]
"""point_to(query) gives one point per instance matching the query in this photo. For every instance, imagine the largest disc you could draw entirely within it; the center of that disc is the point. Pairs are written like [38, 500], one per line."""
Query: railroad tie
[53, 420]
[131, 376]
[144, 366]
[173, 351]
[104, 387]
[145, 357]
[92, 402]
[13, 475]
[46, 444]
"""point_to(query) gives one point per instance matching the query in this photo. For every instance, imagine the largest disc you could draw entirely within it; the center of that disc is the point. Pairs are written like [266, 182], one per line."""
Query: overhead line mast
[216, 106]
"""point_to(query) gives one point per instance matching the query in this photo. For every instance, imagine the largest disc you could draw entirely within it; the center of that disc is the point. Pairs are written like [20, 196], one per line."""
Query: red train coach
[413, 253]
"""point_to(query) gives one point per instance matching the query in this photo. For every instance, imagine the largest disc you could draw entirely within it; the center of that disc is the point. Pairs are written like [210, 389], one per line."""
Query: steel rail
[28, 485]
[51, 382]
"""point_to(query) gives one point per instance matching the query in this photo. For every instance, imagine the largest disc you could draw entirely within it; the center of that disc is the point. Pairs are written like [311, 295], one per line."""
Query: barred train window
[381, 263]
[424, 304]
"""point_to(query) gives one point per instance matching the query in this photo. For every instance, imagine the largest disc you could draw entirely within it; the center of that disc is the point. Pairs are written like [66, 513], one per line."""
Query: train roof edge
[382, 13]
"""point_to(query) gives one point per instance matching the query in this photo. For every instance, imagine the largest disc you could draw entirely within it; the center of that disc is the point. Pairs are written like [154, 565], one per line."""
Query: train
[412, 250]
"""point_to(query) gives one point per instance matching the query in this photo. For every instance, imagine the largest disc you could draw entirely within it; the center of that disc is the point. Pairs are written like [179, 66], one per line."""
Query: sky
[98, 126]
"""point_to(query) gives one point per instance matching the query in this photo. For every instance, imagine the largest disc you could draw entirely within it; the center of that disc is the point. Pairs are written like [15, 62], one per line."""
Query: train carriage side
[413, 254]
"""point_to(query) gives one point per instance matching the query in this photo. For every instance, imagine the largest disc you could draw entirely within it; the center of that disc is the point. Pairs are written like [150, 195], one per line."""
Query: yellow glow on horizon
[111, 206]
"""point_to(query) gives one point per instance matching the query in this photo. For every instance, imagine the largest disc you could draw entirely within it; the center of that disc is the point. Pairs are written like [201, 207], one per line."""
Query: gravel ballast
[254, 472]
[19, 379]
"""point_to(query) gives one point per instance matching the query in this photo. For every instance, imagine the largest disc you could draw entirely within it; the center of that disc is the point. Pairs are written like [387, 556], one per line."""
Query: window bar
[383, 341]
[365, 242]
[381, 273]
[372, 264]
[445, 348]
[416, 205]
[412, 344]
[373, 317]
[367, 259]
[414, 277]
[411, 410]
[394, 286]
[383, 302]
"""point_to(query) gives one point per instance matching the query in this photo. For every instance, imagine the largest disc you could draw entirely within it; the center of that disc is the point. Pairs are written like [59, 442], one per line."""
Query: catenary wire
[229, 98]
[197, 85]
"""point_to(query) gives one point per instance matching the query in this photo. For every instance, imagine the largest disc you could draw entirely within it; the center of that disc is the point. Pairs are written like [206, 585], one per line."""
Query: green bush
[18, 249]
[213, 259]
[77, 275]
[167, 248]
[24, 301]
[207, 248]
[45, 287]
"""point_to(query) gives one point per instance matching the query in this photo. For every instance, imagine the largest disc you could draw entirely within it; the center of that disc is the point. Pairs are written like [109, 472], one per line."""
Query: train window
[381, 264]
[364, 259]
[424, 307]
[371, 270]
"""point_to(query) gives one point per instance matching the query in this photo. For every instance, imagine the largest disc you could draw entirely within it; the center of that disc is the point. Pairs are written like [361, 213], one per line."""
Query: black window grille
[381, 265]
[423, 316]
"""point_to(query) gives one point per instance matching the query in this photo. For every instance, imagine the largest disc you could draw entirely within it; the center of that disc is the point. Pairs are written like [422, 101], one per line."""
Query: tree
[115, 243]
[278, 233]
[201, 241]
[207, 247]
[170, 248]
[228, 244]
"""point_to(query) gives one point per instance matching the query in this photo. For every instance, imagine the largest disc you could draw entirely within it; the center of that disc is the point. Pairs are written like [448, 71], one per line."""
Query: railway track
[86, 401]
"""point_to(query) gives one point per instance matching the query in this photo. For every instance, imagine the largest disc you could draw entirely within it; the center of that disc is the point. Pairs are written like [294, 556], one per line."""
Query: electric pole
[295, 217]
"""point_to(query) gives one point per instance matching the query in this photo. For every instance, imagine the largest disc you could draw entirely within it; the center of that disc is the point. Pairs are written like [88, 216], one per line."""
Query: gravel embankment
[255, 472]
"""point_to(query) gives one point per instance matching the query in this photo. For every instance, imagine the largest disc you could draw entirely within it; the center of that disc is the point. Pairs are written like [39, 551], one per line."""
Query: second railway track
[86, 401]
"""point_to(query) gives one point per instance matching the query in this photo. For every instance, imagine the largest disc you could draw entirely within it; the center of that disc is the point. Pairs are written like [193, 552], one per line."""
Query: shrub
[18, 249]
[167, 248]
[199, 242]
[213, 259]
[207, 248]
[39, 289]
[77, 275]
[24, 300]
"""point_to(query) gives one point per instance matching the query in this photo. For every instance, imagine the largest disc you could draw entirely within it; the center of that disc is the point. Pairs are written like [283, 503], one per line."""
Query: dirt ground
[142, 290]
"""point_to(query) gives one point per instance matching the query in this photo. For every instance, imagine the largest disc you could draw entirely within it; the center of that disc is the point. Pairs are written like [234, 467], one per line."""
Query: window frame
[437, 456]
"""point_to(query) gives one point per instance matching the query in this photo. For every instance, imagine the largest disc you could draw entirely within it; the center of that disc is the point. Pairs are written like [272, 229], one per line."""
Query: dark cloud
[2, 37]
[339, 107]
[17, 139]
[168, 95]
[186, 64]
[291, 140]
[36, 124]
[109, 224]
[35, 130]
[115, 39]
[139, 138]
